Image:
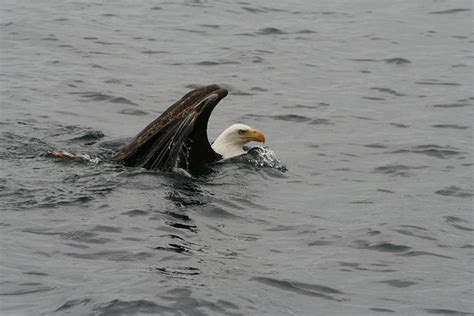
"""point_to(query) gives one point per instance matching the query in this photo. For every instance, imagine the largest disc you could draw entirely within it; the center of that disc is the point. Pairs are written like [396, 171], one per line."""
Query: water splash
[87, 158]
[263, 157]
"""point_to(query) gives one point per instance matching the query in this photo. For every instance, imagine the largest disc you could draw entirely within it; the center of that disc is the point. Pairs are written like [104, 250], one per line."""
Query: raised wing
[178, 137]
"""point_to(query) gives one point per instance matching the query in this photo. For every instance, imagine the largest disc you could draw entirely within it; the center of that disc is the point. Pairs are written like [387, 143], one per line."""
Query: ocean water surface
[366, 104]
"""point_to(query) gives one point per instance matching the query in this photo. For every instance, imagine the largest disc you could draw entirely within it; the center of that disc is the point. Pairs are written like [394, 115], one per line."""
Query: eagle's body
[178, 137]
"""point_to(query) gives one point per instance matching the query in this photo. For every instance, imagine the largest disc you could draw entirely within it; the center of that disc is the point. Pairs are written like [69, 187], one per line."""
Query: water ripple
[432, 150]
[119, 307]
[316, 290]
[455, 191]
[450, 11]
[440, 311]
[270, 31]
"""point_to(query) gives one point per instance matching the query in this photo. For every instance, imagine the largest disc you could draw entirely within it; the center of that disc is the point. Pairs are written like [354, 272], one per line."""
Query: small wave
[316, 290]
[154, 52]
[111, 255]
[97, 96]
[397, 170]
[216, 63]
[191, 228]
[174, 248]
[399, 125]
[456, 223]
[260, 89]
[212, 26]
[454, 191]
[284, 117]
[398, 283]
[132, 112]
[453, 126]
[171, 271]
[321, 122]
[373, 98]
[410, 232]
[253, 10]
[363, 59]
[301, 106]
[106, 43]
[23, 289]
[454, 219]
[134, 213]
[72, 303]
[291, 118]
[451, 105]
[451, 11]
[377, 146]
[397, 61]
[381, 310]
[435, 83]
[119, 307]
[306, 31]
[387, 90]
[430, 150]
[423, 253]
[270, 31]
[441, 311]
[382, 247]
[90, 136]
[16, 146]
[242, 93]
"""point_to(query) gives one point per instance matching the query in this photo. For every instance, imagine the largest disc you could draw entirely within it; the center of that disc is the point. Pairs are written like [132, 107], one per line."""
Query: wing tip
[206, 90]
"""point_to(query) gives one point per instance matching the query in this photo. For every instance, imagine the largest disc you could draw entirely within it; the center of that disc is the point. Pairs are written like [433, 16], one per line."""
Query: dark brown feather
[178, 137]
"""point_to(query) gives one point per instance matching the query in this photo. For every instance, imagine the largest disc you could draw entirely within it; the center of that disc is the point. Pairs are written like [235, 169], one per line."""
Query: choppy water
[367, 103]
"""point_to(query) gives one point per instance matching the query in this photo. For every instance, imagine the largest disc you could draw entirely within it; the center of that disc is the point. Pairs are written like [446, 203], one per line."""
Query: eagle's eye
[241, 131]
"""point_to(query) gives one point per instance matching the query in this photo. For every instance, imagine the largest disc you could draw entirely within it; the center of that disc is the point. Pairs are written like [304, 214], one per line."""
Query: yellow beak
[255, 135]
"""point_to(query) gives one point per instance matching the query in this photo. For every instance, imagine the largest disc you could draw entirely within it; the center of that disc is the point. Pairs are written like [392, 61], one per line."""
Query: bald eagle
[178, 137]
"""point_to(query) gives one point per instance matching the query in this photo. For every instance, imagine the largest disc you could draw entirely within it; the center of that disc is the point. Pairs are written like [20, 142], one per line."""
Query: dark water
[368, 103]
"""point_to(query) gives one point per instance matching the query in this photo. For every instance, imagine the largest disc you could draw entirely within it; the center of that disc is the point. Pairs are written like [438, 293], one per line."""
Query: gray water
[367, 103]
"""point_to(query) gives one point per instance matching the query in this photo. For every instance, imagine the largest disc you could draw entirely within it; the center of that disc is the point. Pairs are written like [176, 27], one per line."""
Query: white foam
[265, 157]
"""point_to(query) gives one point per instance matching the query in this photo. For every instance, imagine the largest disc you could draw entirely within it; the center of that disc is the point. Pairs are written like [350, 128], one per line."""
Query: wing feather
[178, 137]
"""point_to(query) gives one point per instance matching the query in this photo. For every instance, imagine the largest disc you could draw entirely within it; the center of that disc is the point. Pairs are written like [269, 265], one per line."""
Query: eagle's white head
[230, 143]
